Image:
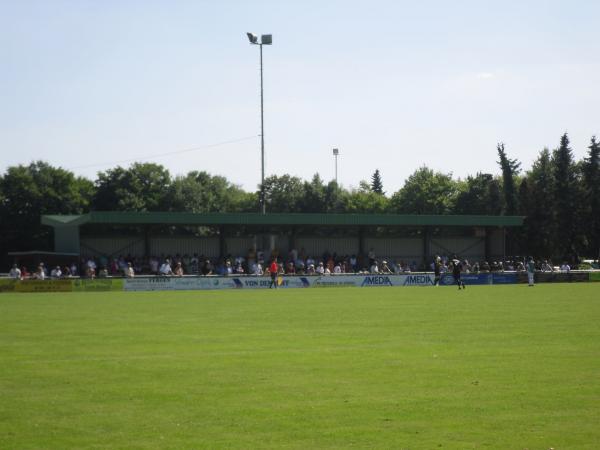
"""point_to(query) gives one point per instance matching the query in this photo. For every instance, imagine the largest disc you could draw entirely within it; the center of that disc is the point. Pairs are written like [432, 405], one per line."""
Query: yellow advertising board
[7, 285]
[44, 286]
[98, 285]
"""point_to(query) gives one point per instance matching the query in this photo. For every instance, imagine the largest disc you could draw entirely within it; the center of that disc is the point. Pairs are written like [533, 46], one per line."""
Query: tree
[591, 181]
[510, 169]
[426, 192]
[365, 201]
[284, 194]
[376, 183]
[538, 234]
[142, 187]
[565, 188]
[31, 191]
[479, 195]
[201, 192]
[314, 196]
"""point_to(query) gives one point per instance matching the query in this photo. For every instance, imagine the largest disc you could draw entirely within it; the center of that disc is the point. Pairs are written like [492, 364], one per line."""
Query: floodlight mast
[265, 39]
[336, 152]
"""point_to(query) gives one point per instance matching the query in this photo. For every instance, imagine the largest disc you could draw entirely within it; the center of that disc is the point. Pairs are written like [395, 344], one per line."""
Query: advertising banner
[467, 278]
[555, 277]
[504, 278]
[7, 285]
[44, 286]
[594, 276]
[97, 285]
[177, 284]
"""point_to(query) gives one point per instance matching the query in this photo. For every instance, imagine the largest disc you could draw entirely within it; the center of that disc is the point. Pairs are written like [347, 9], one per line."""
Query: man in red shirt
[273, 269]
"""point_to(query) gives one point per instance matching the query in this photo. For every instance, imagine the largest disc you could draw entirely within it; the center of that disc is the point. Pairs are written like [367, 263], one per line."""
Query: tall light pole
[265, 39]
[336, 152]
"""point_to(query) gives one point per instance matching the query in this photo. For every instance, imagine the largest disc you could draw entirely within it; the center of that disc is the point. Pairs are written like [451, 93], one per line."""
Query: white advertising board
[250, 282]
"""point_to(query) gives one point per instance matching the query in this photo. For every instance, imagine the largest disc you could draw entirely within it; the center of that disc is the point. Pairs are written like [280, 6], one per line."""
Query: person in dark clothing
[437, 267]
[456, 269]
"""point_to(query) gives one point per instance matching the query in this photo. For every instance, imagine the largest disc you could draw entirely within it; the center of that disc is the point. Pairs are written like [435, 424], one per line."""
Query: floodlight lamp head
[336, 151]
[252, 38]
[266, 39]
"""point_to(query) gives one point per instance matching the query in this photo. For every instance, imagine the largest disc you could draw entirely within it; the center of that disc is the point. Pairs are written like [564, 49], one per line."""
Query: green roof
[184, 218]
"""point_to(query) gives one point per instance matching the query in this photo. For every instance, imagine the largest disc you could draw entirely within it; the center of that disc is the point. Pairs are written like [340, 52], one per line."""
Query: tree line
[559, 196]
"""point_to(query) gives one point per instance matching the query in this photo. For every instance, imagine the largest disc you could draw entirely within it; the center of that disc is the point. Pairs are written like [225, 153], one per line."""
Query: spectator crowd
[257, 263]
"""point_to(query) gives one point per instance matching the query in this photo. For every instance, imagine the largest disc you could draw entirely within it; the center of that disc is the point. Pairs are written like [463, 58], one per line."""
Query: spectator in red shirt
[273, 269]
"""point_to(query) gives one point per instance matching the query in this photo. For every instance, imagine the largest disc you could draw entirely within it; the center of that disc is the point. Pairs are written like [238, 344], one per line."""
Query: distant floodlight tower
[336, 152]
[265, 39]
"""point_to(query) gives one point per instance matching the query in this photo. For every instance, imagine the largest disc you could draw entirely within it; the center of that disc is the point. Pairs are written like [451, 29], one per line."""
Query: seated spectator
[129, 271]
[228, 270]
[257, 269]
[15, 273]
[239, 269]
[337, 269]
[485, 267]
[56, 272]
[565, 267]
[320, 269]
[90, 272]
[385, 268]
[290, 268]
[153, 265]
[24, 273]
[73, 268]
[311, 270]
[66, 272]
[475, 268]
[39, 274]
[165, 268]
[546, 267]
[178, 270]
[353, 263]
[374, 267]
[207, 268]
[466, 266]
[103, 273]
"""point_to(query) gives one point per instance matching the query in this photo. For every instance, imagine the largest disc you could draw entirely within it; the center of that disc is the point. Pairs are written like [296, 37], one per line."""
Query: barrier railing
[194, 282]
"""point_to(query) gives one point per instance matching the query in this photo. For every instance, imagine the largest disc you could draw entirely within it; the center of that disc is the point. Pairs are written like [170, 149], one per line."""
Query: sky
[395, 85]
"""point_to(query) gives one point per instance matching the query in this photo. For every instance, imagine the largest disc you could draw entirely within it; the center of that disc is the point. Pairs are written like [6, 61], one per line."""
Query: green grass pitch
[506, 367]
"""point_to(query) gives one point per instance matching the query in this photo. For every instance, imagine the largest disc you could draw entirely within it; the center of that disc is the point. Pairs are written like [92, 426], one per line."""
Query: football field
[506, 367]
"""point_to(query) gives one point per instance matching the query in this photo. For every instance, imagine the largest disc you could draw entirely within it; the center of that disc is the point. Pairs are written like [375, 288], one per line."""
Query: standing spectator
[437, 270]
[530, 271]
[273, 269]
[15, 273]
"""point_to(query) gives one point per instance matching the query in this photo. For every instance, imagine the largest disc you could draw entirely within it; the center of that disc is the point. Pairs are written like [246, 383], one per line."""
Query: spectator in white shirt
[15, 272]
[165, 268]
[56, 272]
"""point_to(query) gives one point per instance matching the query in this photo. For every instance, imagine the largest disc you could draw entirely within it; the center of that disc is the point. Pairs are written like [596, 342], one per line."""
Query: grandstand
[402, 237]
